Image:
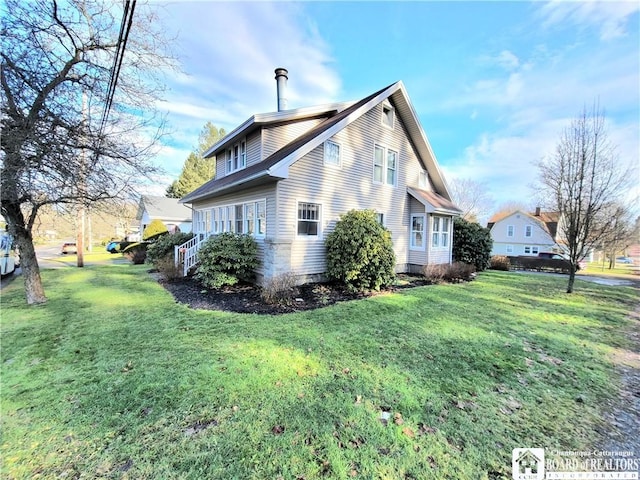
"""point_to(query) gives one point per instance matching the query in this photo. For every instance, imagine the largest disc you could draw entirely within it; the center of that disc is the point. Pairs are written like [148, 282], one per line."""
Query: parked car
[626, 260]
[560, 256]
[113, 247]
[69, 247]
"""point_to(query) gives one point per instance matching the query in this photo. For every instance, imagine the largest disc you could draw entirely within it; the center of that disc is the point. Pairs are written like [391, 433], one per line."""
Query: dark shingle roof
[261, 169]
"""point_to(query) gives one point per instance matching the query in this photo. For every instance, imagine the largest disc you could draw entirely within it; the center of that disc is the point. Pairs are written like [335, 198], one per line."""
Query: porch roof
[433, 202]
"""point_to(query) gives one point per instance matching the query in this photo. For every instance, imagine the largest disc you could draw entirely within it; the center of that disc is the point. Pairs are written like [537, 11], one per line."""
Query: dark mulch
[245, 298]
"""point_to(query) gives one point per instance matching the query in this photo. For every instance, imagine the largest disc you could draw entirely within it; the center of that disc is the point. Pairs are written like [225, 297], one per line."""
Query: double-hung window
[236, 157]
[261, 218]
[510, 230]
[308, 219]
[528, 230]
[417, 232]
[249, 218]
[239, 222]
[385, 165]
[440, 232]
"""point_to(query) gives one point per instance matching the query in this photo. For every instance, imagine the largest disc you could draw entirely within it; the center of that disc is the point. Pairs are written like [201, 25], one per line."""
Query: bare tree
[622, 233]
[471, 197]
[581, 180]
[59, 146]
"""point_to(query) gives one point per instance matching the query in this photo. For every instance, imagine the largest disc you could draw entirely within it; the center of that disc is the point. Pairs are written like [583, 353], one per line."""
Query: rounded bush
[472, 243]
[227, 258]
[360, 252]
[154, 229]
[136, 252]
[164, 246]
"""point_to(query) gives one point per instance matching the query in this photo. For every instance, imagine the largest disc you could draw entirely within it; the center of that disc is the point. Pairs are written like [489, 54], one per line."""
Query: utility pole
[81, 191]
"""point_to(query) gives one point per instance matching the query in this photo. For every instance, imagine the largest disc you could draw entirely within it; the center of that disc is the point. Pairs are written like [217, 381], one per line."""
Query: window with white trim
[531, 250]
[308, 219]
[239, 221]
[528, 230]
[423, 179]
[249, 218]
[261, 218]
[510, 230]
[388, 115]
[440, 232]
[417, 240]
[236, 157]
[332, 153]
[509, 248]
[385, 165]
[380, 218]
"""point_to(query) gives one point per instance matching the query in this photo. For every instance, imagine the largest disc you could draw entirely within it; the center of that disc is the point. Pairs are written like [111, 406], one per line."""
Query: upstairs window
[331, 153]
[236, 158]
[388, 115]
[510, 230]
[423, 179]
[308, 219]
[528, 231]
[385, 165]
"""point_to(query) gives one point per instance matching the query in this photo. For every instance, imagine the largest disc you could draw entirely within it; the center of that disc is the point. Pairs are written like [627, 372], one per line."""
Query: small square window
[331, 153]
[388, 115]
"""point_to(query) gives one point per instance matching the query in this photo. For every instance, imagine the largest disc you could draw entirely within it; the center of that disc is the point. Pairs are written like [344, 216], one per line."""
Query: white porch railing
[185, 254]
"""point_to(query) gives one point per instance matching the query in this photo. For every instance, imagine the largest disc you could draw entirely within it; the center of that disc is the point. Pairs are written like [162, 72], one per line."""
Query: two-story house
[286, 177]
[521, 233]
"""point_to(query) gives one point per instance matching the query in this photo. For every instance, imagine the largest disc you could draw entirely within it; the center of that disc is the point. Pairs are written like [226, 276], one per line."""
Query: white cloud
[229, 52]
[610, 18]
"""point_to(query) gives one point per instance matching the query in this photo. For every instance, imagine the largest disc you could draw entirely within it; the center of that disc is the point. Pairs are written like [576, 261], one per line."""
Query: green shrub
[227, 258]
[452, 273]
[136, 252]
[164, 247]
[471, 244]
[499, 262]
[154, 230]
[280, 290]
[360, 252]
[167, 267]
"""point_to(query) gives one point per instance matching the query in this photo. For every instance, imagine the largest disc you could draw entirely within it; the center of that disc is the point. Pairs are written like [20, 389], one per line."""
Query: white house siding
[540, 238]
[267, 192]
[418, 257]
[254, 154]
[276, 137]
[339, 190]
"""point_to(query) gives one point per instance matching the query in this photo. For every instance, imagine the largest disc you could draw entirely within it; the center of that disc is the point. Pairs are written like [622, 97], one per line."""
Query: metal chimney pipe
[281, 84]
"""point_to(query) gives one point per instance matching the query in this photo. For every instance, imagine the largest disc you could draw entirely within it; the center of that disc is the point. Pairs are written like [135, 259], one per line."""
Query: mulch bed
[245, 298]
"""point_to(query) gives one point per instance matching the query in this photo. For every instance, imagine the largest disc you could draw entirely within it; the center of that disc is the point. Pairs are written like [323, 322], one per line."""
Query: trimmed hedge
[154, 229]
[136, 252]
[540, 264]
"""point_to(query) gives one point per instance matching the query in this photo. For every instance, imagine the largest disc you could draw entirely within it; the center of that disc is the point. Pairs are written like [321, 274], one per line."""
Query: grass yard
[113, 379]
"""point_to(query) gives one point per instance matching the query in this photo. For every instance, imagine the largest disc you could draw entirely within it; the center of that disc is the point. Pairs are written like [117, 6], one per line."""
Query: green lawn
[113, 379]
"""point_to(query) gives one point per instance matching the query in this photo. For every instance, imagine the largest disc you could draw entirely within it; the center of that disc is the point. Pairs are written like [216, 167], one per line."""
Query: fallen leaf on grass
[397, 419]
[277, 430]
[408, 432]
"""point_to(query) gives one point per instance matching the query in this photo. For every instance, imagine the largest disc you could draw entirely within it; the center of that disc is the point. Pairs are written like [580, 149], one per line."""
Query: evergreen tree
[197, 170]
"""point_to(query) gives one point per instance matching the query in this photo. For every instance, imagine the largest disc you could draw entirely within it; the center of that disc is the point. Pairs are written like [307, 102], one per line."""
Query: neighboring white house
[522, 233]
[286, 177]
[175, 215]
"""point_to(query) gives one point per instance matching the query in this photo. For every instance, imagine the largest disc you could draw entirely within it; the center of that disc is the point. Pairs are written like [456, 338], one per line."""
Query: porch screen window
[249, 218]
[261, 218]
[440, 232]
[308, 219]
[417, 232]
[239, 222]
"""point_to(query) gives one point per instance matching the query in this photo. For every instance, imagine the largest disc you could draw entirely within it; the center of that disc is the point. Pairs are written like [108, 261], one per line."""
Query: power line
[123, 36]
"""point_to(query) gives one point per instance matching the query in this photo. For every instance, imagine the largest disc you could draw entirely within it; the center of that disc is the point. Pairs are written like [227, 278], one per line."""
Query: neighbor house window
[530, 250]
[417, 232]
[308, 219]
[331, 153]
[527, 230]
[440, 232]
[510, 230]
[388, 115]
[509, 248]
[385, 165]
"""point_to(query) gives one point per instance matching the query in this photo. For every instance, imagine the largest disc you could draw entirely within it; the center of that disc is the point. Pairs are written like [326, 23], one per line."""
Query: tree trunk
[572, 279]
[34, 291]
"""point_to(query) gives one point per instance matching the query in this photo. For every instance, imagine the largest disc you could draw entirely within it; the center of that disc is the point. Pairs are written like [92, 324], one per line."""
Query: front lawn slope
[113, 379]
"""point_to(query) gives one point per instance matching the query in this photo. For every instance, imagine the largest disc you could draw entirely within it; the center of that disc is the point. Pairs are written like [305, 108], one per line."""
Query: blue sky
[493, 83]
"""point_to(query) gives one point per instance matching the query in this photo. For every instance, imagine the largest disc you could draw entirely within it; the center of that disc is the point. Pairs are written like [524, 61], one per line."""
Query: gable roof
[433, 202]
[163, 208]
[276, 166]
[547, 220]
